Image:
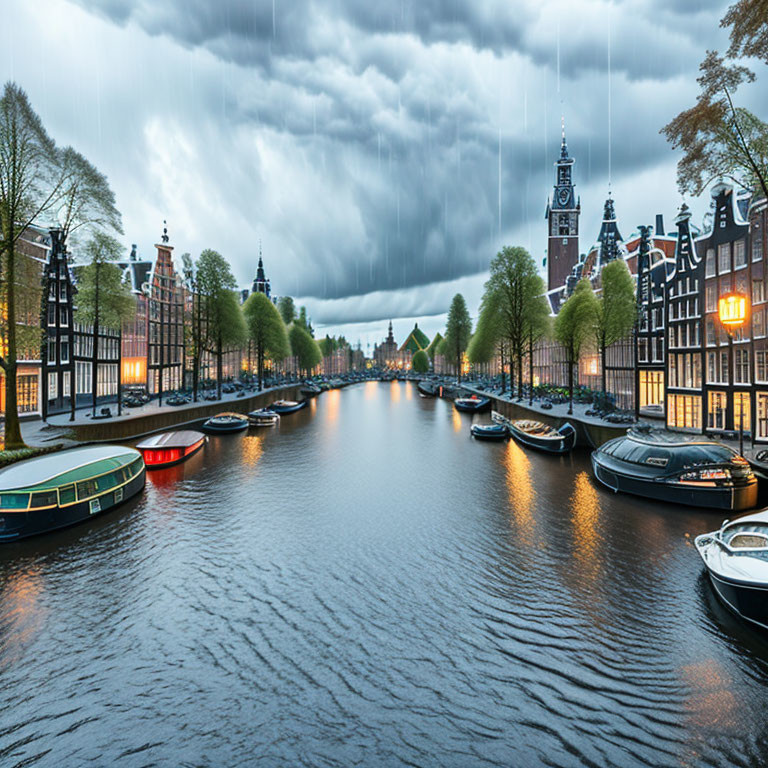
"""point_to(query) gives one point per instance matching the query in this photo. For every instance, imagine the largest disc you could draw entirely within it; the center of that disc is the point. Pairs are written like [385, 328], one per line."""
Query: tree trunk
[260, 364]
[603, 376]
[219, 366]
[95, 350]
[13, 438]
[570, 381]
[458, 367]
[520, 376]
[120, 372]
[530, 370]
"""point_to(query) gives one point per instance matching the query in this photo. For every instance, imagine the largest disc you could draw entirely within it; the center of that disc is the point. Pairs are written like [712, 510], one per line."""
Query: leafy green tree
[103, 299]
[304, 322]
[266, 330]
[327, 346]
[615, 311]
[458, 330]
[88, 201]
[222, 315]
[538, 322]
[487, 340]
[304, 347]
[30, 185]
[574, 327]
[195, 331]
[514, 312]
[432, 348]
[287, 309]
[420, 362]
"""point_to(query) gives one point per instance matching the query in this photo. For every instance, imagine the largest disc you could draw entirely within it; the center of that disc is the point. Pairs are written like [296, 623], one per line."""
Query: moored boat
[427, 388]
[169, 448]
[489, 431]
[471, 404]
[536, 434]
[263, 417]
[225, 423]
[54, 491]
[287, 406]
[668, 466]
[736, 559]
[310, 390]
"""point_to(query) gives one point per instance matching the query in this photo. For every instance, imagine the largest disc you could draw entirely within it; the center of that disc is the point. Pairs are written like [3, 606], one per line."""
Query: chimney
[659, 224]
[133, 252]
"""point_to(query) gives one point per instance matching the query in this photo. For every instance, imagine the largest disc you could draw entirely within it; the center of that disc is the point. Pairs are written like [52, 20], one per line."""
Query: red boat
[169, 448]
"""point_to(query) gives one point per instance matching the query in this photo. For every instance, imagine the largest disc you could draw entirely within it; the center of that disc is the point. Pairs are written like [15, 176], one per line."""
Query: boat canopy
[65, 467]
[668, 456]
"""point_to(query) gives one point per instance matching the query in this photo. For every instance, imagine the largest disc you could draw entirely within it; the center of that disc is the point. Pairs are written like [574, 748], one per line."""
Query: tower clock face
[562, 196]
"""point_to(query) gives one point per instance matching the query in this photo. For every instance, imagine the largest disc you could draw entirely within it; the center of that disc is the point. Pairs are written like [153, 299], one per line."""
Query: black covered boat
[226, 424]
[472, 404]
[310, 390]
[427, 388]
[489, 431]
[49, 492]
[536, 434]
[287, 406]
[685, 469]
[736, 558]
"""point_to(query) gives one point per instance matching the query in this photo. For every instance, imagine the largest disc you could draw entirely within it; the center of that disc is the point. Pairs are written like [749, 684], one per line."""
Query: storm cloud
[381, 153]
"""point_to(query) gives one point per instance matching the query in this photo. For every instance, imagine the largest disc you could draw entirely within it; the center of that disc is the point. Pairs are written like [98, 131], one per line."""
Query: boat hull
[558, 447]
[747, 600]
[185, 454]
[22, 525]
[483, 434]
[225, 429]
[283, 409]
[731, 498]
[481, 405]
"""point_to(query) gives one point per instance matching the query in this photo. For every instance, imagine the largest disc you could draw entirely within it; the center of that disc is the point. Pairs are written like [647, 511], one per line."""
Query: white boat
[736, 558]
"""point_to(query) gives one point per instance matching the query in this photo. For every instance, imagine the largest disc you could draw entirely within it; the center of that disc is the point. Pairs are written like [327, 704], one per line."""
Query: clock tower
[563, 223]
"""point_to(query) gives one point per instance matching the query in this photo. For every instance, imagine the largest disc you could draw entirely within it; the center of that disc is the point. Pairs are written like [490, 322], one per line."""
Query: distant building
[386, 354]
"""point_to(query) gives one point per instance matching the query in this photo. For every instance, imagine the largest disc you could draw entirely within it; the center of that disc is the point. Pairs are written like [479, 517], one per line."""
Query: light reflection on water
[367, 585]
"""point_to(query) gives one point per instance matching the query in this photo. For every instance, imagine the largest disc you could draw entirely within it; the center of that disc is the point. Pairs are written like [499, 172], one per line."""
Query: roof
[65, 467]
[416, 340]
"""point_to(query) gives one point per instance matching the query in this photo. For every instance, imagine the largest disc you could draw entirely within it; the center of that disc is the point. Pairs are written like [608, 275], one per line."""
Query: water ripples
[366, 585]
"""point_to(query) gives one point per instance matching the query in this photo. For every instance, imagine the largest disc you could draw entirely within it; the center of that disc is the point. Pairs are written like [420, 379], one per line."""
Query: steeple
[609, 237]
[390, 334]
[563, 143]
[260, 282]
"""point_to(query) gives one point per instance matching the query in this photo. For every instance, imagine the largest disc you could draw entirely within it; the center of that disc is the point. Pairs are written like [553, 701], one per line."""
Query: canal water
[366, 585]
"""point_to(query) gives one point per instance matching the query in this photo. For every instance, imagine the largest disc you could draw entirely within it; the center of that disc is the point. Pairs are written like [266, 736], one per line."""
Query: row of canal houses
[678, 363]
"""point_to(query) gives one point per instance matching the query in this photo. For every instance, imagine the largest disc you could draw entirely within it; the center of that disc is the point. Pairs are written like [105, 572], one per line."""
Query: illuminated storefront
[684, 412]
[651, 388]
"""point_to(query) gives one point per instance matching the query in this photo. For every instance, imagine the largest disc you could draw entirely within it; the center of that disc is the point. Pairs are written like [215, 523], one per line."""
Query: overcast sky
[382, 152]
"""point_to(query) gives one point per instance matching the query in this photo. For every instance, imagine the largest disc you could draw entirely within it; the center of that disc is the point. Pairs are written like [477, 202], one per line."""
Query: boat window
[748, 541]
[624, 449]
[135, 467]
[14, 500]
[86, 488]
[44, 499]
[707, 454]
[66, 494]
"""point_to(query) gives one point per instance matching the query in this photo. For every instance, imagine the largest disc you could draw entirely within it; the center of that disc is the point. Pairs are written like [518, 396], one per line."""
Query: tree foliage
[420, 362]
[223, 322]
[287, 309]
[748, 20]
[304, 347]
[615, 310]
[30, 184]
[717, 138]
[103, 298]
[574, 327]
[458, 330]
[433, 347]
[88, 201]
[266, 330]
[485, 340]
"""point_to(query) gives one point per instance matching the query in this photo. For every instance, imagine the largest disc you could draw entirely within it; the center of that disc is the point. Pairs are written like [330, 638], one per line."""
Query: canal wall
[590, 432]
[138, 424]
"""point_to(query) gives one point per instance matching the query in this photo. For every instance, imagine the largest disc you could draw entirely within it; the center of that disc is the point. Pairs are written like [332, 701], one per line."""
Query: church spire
[563, 143]
[609, 238]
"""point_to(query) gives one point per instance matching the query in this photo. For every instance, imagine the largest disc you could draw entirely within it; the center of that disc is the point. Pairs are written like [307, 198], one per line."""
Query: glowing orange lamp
[732, 310]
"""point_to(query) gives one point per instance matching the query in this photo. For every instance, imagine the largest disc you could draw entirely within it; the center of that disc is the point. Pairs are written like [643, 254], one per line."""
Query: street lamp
[733, 311]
